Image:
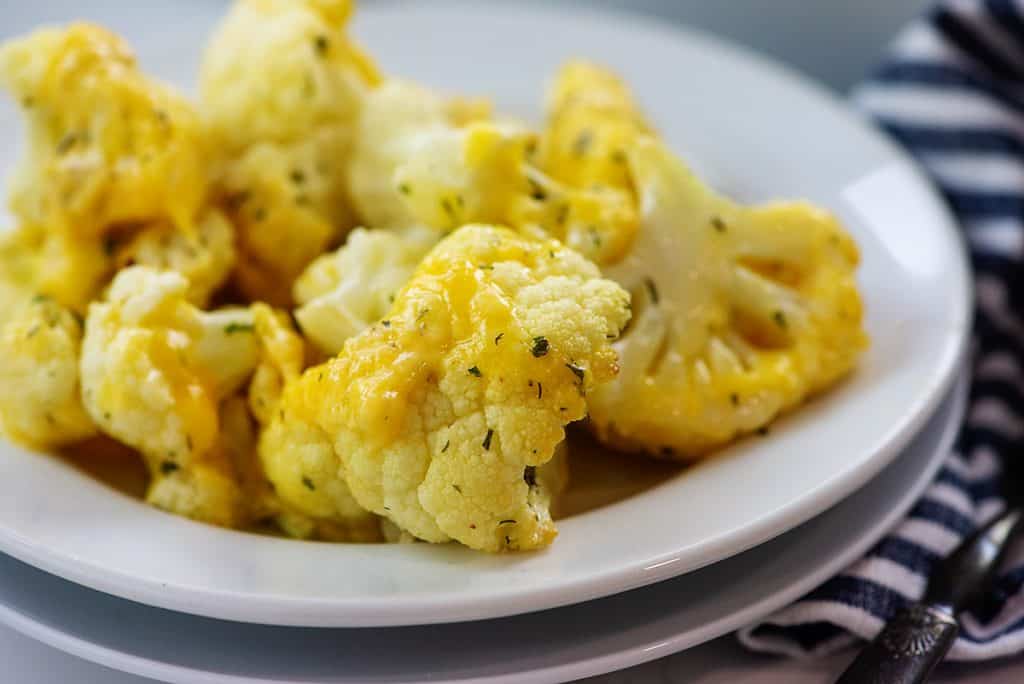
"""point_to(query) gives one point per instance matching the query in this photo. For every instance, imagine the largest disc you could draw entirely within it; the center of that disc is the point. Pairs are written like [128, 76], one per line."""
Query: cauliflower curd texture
[739, 313]
[153, 371]
[281, 87]
[338, 305]
[108, 150]
[443, 413]
[39, 389]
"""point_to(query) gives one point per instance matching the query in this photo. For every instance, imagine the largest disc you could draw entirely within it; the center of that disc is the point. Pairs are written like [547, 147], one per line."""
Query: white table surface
[833, 40]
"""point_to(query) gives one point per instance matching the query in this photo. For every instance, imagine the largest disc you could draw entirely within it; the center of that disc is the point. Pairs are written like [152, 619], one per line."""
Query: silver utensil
[911, 644]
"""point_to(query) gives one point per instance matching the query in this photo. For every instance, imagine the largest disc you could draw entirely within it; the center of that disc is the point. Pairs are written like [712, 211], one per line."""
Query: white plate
[556, 645]
[753, 127]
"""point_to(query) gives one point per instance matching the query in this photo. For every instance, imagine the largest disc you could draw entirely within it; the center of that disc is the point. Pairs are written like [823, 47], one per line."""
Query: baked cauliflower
[204, 257]
[153, 371]
[738, 313]
[40, 402]
[296, 456]
[276, 71]
[398, 119]
[344, 292]
[442, 414]
[412, 166]
[107, 146]
[592, 123]
[287, 202]
[281, 87]
[19, 271]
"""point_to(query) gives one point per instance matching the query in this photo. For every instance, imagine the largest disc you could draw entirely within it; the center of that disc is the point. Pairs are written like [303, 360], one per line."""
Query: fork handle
[907, 649]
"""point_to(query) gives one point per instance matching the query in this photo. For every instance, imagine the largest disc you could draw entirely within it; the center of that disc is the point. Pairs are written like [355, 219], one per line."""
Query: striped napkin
[952, 92]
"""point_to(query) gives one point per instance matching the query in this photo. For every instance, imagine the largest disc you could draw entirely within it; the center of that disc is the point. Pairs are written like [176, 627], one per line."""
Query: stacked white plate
[714, 547]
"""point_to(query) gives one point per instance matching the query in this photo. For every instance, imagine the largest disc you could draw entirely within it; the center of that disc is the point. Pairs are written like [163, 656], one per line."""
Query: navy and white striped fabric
[951, 91]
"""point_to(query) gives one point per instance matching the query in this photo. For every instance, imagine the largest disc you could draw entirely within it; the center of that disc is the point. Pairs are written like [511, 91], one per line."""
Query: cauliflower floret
[39, 390]
[295, 454]
[344, 292]
[205, 258]
[238, 437]
[592, 122]
[739, 314]
[281, 87]
[107, 146]
[287, 201]
[18, 271]
[445, 178]
[441, 418]
[154, 369]
[67, 267]
[278, 70]
[397, 119]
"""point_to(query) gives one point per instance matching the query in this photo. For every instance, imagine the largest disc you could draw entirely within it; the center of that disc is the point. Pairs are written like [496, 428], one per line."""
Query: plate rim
[352, 611]
[652, 649]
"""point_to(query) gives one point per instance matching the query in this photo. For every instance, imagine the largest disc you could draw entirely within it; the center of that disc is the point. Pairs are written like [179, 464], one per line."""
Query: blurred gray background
[835, 41]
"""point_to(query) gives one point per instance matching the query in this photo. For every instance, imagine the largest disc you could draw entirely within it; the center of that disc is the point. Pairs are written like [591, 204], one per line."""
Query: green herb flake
[475, 372]
[66, 143]
[447, 444]
[718, 224]
[235, 200]
[321, 44]
[540, 347]
[386, 323]
[449, 209]
[168, 467]
[562, 216]
[581, 145]
[498, 338]
[457, 488]
[576, 370]
[297, 176]
[735, 399]
[536, 191]
[618, 156]
[530, 476]
[405, 189]
[780, 319]
[235, 327]
[259, 214]
[308, 484]
[595, 236]
[487, 440]
[652, 290]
